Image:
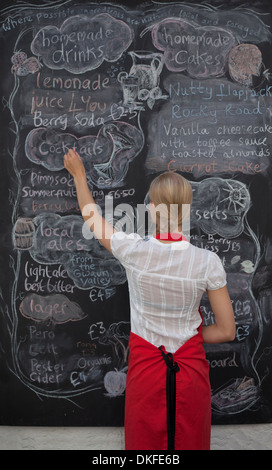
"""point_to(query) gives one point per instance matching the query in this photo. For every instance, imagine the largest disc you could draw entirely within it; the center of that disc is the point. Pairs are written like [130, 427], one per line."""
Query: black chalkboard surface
[137, 89]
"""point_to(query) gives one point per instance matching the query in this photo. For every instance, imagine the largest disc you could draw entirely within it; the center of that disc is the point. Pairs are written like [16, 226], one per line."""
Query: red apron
[168, 397]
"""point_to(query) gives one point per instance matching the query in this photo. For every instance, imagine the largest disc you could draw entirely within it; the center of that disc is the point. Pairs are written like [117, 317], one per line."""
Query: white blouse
[166, 282]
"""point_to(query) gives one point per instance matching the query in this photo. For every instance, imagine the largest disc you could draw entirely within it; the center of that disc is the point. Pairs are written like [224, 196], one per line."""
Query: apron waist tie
[172, 369]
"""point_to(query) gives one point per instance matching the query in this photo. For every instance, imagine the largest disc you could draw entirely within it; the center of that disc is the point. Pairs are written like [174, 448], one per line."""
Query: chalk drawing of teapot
[147, 66]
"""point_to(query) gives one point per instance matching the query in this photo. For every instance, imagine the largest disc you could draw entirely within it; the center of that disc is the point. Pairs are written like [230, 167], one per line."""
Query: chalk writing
[136, 91]
[56, 308]
[202, 51]
[82, 43]
[106, 156]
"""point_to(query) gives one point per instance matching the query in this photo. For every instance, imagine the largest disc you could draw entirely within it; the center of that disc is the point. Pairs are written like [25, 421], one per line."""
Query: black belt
[172, 369]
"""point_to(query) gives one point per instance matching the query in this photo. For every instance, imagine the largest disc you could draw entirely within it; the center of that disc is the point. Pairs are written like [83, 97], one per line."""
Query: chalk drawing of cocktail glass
[120, 143]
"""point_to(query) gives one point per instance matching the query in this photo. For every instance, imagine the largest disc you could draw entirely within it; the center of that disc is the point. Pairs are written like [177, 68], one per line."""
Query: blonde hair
[169, 192]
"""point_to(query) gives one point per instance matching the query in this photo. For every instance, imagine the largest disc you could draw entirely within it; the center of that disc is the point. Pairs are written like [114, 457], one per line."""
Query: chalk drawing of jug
[147, 66]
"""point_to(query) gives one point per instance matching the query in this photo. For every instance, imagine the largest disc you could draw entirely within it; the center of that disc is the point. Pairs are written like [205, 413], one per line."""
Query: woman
[168, 391]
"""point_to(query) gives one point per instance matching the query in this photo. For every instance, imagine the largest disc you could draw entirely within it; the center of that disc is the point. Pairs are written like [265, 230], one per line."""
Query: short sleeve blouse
[166, 284]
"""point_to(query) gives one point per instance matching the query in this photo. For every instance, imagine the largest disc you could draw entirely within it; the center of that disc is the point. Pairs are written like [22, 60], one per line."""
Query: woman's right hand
[74, 164]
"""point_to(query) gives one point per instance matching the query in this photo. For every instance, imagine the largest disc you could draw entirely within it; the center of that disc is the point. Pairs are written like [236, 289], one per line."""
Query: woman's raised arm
[89, 209]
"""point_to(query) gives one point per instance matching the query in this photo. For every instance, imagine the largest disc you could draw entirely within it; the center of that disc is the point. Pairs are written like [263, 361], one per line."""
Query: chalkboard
[137, 89]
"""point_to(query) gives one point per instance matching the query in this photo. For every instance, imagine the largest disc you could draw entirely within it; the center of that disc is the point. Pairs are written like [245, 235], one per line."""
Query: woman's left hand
[74, 164]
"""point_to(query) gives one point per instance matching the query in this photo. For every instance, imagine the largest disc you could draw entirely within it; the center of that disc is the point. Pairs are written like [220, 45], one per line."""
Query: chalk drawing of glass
[147, 66]
[130, 86]
[119, 143]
